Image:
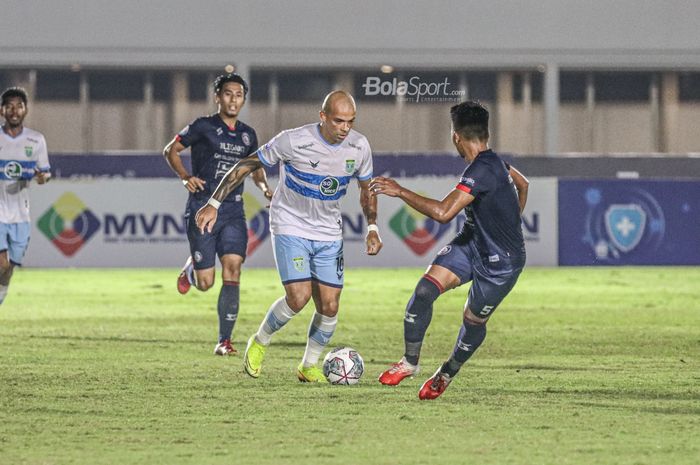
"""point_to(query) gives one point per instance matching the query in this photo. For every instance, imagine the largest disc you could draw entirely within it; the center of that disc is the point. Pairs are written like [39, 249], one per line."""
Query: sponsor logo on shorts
[329, 186]
[298, 263]
[197, 256]
[68, 224]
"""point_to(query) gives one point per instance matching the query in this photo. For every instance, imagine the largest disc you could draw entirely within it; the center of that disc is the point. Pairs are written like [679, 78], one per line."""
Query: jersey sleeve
[476, 179]
[190, 133]
[366, 168]
[278, 149]
[254, 141]
[42, 156]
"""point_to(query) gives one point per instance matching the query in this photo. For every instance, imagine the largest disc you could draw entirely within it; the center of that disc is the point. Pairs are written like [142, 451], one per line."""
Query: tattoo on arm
[368, 203]
[235, 176]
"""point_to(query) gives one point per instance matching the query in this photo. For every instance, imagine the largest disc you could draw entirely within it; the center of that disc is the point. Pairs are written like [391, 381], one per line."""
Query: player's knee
[298, 300]
[204, 283]
[329, 308]
[471, 319]
[5, 264]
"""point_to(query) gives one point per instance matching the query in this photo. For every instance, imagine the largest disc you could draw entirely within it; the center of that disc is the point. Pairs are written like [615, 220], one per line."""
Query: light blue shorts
[300, 259]
[14, 237]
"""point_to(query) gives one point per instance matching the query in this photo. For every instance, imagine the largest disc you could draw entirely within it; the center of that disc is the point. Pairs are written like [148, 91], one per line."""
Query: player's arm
[171, 152]
[368, 202]
[260, 180]
[442, 211]
[521, 186]
[42, 172]
[206, 216]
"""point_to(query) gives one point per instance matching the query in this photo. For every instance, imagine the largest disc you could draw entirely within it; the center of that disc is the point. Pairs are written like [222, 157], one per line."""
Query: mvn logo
[419, 233]
[68, 224]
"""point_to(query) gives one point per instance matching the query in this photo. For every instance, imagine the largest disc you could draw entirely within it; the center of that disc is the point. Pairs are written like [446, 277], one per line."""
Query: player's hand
[386, 186]
[268, 194]
[206, 218]
[374, 243]
[42, 177]
[194, 184]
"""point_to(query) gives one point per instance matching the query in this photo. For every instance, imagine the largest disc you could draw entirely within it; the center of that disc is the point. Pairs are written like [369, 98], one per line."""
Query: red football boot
[398, 371]
[183, 281]
[435, 386]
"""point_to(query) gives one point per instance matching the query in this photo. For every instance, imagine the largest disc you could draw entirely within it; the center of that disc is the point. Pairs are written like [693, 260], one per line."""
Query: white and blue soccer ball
[343, 365]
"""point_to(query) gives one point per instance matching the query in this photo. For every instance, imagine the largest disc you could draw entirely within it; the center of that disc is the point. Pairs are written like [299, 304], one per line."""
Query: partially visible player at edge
[317, 162]
[23, 156]
[489, 250]
[217, 142]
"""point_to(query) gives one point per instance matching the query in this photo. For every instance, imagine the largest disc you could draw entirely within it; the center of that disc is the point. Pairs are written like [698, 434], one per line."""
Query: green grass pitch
[580, 366]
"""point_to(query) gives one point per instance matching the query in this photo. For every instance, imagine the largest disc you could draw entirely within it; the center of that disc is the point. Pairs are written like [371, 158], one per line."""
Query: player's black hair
[231, 77]
[470, 120]
[12, 92]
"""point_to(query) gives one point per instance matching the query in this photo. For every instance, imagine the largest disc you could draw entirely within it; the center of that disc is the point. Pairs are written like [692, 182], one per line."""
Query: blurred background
[600, 89]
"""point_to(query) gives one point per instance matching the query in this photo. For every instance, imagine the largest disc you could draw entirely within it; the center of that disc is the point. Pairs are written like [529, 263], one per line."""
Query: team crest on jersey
[445, 250]
[298, 263]
[349, 166]
[329, 186]
[29, 151]
[246, 138]
[13, 170]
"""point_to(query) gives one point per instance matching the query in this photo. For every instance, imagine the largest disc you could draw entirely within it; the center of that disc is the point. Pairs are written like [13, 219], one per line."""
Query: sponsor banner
[119, 223]
[139, 222]
[629, 222]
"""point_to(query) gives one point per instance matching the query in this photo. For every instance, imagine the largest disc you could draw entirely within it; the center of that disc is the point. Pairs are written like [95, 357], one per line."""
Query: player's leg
[486, 293]
[14, 240]
[199, 268]
[292, 260]
[228, 303]
[327, 270]
[231, 245]
[6, 268]
[447, 272]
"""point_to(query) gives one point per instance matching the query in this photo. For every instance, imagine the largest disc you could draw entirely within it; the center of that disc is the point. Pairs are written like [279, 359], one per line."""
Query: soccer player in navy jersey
[217, 143]
[489, 250]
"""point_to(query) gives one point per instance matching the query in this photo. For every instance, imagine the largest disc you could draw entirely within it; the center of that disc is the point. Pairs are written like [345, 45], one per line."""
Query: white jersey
[314, 175]
[19, 156]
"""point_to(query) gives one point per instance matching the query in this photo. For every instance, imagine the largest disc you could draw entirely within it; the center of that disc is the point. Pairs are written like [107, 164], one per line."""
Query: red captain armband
[464, 188]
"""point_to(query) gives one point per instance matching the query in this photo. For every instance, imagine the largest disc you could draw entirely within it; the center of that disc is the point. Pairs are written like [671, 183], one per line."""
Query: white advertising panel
[139, 223]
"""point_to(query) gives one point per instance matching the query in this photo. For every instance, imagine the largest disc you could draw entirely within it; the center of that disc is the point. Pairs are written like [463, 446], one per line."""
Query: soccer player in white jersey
[317, 162]
[23, 156]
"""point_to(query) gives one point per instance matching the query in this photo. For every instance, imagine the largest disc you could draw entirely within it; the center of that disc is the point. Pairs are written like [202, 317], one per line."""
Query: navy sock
[419, 312]
[228, 308]
[469, 339]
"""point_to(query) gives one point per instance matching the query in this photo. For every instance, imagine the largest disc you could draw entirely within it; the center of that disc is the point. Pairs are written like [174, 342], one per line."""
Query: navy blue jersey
[493, 217]
[215, 148]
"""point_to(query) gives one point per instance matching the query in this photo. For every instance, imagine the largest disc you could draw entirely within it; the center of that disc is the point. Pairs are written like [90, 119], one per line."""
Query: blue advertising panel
[629, 222]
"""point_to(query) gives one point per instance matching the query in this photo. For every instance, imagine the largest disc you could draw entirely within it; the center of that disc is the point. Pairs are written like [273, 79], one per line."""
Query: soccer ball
[343, 365]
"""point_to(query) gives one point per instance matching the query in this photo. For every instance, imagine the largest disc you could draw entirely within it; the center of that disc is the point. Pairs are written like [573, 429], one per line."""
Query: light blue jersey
[314, 176]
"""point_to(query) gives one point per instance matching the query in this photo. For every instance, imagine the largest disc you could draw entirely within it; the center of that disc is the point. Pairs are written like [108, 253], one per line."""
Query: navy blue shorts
[229, 236]
[489, 285]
